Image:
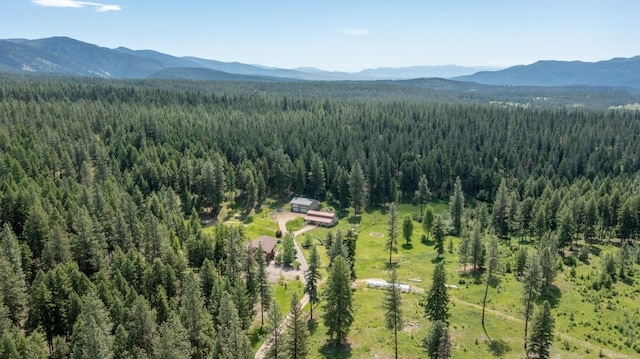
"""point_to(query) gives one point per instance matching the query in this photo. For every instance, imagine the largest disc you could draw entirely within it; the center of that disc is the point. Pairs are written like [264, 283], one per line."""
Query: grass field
[589, 323]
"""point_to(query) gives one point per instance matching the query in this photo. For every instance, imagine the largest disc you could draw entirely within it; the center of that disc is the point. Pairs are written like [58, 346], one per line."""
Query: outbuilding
[303, 205]
[323, 219]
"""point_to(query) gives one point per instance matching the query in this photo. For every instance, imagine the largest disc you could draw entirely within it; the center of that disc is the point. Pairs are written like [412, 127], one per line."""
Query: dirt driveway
[276, 271]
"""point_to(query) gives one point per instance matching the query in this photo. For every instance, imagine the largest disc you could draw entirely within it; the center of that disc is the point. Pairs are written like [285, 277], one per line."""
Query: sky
[342, 35]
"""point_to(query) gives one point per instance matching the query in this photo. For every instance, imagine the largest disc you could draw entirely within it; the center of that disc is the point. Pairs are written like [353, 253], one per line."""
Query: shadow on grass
[552, 295]
[257, 336]
[407, 246]
[499, 348]
[354, 219]
[312, 325]
[389, 266]
[437, 260]
[341, 351]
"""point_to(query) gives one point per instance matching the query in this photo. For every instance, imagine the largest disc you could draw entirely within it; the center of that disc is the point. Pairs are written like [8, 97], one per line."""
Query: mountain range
[66, 56]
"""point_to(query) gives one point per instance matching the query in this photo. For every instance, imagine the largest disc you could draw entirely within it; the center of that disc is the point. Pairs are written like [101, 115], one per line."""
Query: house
[303, 205]
[323, 219]
[268, 246]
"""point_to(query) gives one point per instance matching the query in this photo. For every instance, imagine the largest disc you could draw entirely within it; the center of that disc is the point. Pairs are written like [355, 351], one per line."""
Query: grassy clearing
[295, 225]
[588, 322]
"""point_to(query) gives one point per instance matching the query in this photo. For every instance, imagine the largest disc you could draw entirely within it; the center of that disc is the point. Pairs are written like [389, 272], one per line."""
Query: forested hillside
[102, 185]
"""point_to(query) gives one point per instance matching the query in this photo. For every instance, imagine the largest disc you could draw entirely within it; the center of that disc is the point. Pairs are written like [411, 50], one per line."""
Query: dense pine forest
[103, 185]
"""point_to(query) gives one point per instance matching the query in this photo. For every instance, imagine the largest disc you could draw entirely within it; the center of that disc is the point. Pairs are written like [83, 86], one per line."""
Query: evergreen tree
[492, 266]
[464, 251]
[476, 250]
[92, 336]
[316, 183]
[262, 281]
[444, 345]
[142, 326]
[541, 337]
[273, 322]
[427, 220]
[195, 318]
[232, 341]
[337, 248]
[548, 257]
[392, 306]
[392, 242]
[530, 291]
[351, 239]
[456, 206]
[432, 343]
[312, 275]
[338, 308]
[296, 334]
[422, 193]
[436, 300]
[356, 188]
[288, 250]
[500, 209]
[438, 236]
[407, 228]
[12, 279]
[172, 341]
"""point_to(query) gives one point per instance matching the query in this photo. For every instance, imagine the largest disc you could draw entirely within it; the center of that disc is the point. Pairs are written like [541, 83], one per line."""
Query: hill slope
[618, 72]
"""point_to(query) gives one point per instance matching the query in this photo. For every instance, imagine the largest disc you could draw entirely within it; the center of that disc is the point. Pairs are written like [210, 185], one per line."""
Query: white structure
[303, 205]
[404, 288]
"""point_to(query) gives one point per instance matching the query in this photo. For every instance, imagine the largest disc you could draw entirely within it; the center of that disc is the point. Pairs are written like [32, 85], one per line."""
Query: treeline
[101, 184]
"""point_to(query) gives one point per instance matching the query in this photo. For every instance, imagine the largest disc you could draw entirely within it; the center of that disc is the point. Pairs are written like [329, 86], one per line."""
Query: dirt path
[282, 219]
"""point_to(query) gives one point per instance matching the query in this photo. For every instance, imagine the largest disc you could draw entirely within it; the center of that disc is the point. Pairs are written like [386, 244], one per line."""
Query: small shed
[303, 205]
[323, 219]
[377, 284]
[268, 246]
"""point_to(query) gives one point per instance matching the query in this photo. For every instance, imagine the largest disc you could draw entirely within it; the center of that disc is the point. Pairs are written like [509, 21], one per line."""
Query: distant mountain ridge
[617, 72]
[66, 56]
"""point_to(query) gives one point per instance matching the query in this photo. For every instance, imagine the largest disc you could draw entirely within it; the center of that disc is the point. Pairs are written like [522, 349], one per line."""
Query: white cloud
[99, 7]
[353, 32]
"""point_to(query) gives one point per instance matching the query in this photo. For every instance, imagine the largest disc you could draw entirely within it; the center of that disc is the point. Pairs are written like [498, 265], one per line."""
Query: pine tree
[350, 241]
[92, 336]
[232, 341]
[288, 249]
[432, 343]
[195, 318]
[273, 322]
[427, 220]
[392, 242]
[317, 186]
[500, 213]
[12, 278]
[444, 344]
[312, 275]
[548, 257]
[262, 281]
[541, 337]
[142, 326]
[296, 334]
[337, 248]
[438, 235]
[338, 308]
[422, 193]
[463, 252]
[476, 249]
[436, 300]
[492, 266]
[172, 341]
[356, 188]
[392, 306]
[530, 290]
[407, 228]
[456, 206]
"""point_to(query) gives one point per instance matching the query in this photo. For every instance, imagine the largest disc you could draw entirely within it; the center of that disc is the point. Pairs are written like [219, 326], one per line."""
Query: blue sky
[346, 35]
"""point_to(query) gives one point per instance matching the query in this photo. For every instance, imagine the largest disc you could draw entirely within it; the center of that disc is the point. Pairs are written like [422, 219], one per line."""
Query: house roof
[321, 214]
[319, 217]
[268, 243]
[301, 201]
